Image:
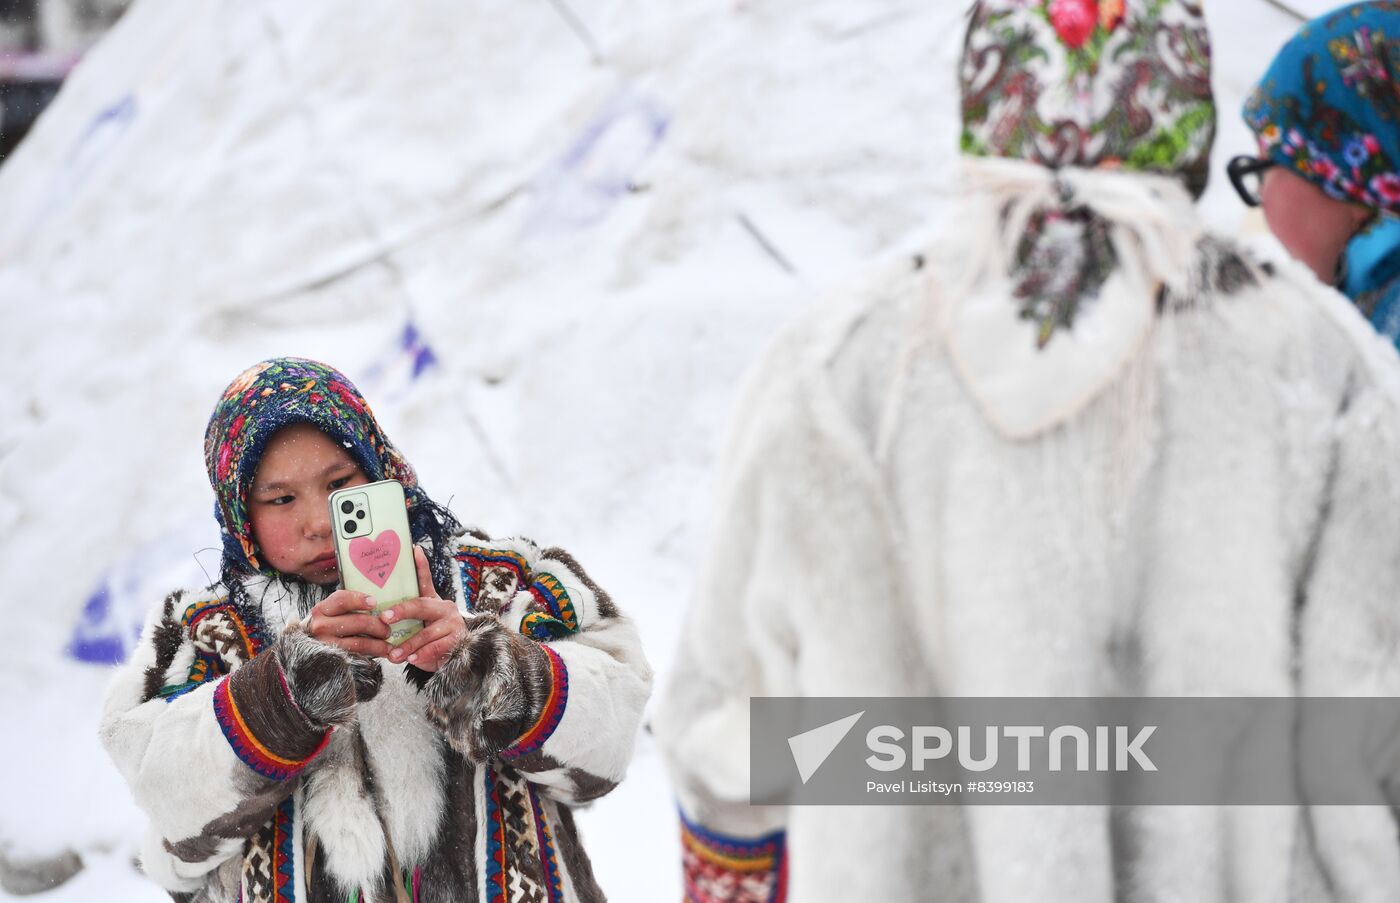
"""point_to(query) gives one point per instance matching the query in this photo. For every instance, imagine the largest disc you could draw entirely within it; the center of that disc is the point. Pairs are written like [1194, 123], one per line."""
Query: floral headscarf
[1329, 106]
[1087, 129]
[1121, 84]
[283, 391]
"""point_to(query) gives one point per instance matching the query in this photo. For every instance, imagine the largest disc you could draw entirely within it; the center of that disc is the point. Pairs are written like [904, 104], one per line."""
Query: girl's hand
[346, 619]
[443, 625]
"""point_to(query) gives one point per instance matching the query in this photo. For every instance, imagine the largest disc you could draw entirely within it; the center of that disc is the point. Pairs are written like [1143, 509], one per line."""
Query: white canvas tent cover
[546, 238]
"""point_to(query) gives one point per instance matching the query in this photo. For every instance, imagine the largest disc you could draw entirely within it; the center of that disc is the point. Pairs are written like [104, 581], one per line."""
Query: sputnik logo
[811, 749]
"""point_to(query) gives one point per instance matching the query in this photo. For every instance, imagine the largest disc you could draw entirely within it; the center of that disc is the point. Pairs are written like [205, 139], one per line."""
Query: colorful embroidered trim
[550, 715]
[205, 667]
[549, 859]
[721, 869]
[199, 671]
[199, 611]
[284, 853]
[247, 747]
[540, 626]
[471, 560]
[495, 842]
[551, 594]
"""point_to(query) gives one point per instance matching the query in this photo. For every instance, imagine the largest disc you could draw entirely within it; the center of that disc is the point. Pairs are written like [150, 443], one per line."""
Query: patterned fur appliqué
[721, 869]
[268, 873]
[218, 631]
[257, 866]
[220, 639]
[490, 577]
[549, 856]
[522, 864]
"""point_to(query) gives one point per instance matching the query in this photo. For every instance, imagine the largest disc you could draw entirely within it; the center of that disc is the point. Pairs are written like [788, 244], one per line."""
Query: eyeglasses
[1247, 175]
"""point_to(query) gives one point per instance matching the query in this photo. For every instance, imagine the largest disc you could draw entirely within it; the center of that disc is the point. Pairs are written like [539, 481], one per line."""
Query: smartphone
[374, 549]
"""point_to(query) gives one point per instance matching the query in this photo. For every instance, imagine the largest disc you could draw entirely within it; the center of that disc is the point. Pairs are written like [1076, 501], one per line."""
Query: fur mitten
[490, 689]
[277, 710]
[325, 681]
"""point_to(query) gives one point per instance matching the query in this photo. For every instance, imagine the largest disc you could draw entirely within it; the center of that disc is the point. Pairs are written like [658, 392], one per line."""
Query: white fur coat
[1203, 499]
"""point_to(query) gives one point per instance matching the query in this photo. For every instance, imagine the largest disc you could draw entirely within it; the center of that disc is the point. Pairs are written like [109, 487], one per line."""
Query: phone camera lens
[347, 506]
[349, 526]
[360, 514]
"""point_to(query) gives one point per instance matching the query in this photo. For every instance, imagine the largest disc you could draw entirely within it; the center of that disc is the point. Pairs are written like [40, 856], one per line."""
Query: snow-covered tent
[545, 238]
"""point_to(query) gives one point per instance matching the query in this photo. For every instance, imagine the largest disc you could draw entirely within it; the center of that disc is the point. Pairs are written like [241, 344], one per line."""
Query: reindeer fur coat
[450, 787]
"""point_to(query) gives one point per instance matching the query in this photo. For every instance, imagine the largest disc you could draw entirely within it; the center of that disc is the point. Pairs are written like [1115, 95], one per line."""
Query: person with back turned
[1078, 447]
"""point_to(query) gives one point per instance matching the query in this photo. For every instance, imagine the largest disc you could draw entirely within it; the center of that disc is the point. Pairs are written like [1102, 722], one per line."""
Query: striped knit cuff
[262, 722]
[551, 713]
[721, 869]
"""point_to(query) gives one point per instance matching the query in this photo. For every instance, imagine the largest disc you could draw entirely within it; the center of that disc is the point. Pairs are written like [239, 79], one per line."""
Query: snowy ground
[594, 235]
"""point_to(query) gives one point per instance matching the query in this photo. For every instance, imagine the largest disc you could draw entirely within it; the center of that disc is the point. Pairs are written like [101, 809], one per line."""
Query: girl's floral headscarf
[283, 391]
[1329, 106]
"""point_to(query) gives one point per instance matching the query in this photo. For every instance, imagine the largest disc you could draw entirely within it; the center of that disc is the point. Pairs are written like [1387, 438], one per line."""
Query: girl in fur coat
[284, 751]
[1076, 447]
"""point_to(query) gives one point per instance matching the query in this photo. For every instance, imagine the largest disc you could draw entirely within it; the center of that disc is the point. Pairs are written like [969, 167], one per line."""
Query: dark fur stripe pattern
[167, 639]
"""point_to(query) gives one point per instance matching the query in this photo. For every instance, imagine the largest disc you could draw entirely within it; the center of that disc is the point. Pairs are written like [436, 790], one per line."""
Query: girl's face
[287, 502]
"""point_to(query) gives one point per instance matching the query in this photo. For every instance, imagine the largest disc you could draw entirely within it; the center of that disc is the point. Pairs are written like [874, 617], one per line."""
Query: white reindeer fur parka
[406, 796]
[1197, 495]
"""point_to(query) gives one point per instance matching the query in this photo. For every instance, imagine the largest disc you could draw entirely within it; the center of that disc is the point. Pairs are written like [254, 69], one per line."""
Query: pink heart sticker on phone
[375, 558]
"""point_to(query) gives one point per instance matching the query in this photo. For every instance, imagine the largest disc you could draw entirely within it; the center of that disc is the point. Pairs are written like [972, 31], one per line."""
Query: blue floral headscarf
[1328, 109]
[1329, 106]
